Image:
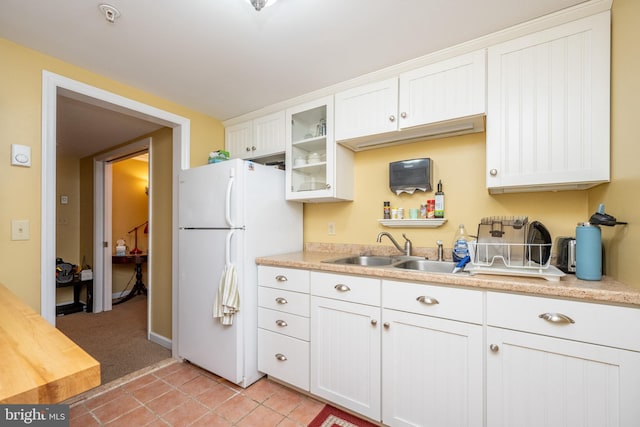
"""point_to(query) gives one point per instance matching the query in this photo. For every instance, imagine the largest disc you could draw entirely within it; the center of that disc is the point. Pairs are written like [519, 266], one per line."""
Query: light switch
[20, 155]
[20, 229]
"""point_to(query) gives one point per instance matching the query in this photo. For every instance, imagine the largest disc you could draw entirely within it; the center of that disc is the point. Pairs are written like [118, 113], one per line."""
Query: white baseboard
[159, 339]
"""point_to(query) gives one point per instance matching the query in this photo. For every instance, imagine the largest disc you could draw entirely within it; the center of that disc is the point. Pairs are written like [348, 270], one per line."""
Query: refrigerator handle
[227, 249]
[227, 200]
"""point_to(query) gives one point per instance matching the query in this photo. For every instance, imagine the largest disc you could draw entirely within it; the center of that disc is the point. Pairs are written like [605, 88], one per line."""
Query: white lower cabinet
[552, 379]
[432, 368]
[345, 344]
[283, 325]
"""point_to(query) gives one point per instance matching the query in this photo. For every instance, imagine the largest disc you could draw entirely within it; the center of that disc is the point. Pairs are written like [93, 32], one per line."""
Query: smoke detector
[110, 12]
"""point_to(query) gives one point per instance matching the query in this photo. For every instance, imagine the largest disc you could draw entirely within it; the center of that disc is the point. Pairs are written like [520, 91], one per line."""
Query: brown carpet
[117, 338]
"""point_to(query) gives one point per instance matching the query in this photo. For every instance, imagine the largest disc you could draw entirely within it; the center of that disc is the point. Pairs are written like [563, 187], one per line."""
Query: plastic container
[460, 244]
[588, 251]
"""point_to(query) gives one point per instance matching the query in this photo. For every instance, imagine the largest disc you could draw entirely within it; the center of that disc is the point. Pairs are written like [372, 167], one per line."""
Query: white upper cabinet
[548, 108]
[317, 170]
[254, 139]
[442, 99]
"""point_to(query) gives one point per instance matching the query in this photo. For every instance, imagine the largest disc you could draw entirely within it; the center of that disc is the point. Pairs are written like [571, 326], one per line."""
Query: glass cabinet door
[310, 150]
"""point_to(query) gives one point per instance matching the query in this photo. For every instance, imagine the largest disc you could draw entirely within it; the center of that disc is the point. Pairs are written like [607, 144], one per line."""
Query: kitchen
[356, 222]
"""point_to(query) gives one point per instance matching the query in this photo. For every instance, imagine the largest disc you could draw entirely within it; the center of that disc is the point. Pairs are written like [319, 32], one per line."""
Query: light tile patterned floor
[180, 394]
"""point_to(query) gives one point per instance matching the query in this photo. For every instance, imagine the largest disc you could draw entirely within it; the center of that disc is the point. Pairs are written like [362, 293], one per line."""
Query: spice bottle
[387, 210]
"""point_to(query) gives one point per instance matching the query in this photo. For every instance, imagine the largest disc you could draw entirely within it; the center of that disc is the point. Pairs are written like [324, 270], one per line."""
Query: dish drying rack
[504, 247]
[509, 255]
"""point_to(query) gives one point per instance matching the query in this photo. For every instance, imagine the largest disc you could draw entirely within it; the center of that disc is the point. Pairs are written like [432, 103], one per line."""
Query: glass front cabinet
[317, 169]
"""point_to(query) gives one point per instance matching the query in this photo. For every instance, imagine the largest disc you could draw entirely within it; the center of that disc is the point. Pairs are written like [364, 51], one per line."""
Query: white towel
[227, 299]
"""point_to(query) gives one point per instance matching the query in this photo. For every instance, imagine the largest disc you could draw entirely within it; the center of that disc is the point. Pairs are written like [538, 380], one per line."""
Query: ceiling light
[259, 4]
[110, 12]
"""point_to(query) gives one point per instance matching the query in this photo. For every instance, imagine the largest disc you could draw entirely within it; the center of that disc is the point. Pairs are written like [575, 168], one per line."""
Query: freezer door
[211, 196]
[202, 339]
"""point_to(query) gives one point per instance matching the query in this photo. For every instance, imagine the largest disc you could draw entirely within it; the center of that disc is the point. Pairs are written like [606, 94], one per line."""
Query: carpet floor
[117, 338]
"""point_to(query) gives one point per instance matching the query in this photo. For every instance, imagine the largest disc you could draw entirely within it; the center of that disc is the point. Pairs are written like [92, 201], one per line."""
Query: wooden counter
[40, 364]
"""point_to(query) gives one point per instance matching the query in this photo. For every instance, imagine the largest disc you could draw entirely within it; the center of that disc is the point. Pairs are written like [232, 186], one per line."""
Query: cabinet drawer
[284, 323]
[283, 278]
[363, 290]
[449, 303]
[289, 302]
[595, 323]
[284, 358]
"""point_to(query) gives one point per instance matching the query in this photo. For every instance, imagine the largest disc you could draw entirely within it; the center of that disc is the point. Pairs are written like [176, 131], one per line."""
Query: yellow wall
[20, 123]
[460, 163]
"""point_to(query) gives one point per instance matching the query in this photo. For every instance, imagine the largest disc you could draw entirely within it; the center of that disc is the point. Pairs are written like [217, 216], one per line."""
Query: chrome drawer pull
[386, 325]
[427, 300]
[281, 278]
[494, 348]
[374, 322]
[281, 357]
[556, 318]
[281, 300]
[281, 323]
[342, 288]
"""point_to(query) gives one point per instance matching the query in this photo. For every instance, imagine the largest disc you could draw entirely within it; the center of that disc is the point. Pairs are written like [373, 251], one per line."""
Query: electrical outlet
[331, 229]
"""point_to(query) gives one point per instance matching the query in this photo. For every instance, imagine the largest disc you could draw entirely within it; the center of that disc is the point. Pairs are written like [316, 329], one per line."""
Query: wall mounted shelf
[413, 223]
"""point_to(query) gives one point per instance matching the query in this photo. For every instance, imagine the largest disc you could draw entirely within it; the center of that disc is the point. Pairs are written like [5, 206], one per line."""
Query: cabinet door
[367, 110]
[268, 135]
[432, 371]
[537, 381]
[345, 354]
[317, 170]
[238, 140]
[446, 90]
[548, 108]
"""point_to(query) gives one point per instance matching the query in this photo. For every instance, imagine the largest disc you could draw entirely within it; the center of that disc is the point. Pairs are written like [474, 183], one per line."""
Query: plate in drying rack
[550, 273]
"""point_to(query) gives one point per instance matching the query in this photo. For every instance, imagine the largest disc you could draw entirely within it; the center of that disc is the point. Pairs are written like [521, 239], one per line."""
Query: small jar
[394, 213]
[387, 210]
[423, 211]
[431, 208]
[400, 213]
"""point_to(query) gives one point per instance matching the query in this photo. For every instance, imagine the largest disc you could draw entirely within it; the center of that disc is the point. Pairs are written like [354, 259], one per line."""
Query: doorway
[53, 85]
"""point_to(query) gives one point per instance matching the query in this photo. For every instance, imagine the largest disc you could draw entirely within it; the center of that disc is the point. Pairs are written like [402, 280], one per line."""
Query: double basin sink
[401, 262]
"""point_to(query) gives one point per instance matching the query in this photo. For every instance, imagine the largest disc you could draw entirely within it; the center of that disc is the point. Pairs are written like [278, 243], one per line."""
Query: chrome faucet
[407, 243]
[440, 250]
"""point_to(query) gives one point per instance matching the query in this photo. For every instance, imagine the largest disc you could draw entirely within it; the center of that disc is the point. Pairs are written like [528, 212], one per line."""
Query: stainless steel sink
[367, 260]
[427, 265]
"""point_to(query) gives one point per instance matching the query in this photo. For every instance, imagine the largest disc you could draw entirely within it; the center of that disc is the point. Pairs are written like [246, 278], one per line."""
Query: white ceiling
[224, 59]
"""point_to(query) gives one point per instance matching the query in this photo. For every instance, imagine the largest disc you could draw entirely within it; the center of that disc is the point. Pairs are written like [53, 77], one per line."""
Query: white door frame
[52, 85]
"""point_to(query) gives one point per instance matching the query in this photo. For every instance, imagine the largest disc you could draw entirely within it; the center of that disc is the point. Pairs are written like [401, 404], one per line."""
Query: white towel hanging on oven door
[227, 301]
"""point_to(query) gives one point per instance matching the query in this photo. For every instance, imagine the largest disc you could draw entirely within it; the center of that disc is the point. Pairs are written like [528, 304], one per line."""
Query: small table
[138, 287]
[76, 305]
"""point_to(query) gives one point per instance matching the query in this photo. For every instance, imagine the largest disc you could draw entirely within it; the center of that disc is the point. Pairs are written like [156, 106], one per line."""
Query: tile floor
[180, 394]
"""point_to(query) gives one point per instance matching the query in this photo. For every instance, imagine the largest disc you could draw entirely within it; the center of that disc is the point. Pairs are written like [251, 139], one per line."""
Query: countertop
[603, 291]
[40, 364]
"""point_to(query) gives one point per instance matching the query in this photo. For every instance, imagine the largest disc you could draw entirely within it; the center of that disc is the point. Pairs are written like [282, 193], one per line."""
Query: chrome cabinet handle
[281, 323]
[427, 300]
[494, 348]
[253, 148]
[281, 278]
[386, 325]
[493, 172]
[403, 115]
[247, 149]
[281, 300]
[556, 318]
[392, 118]
[342, 288]
[281, 357]
[374, 322]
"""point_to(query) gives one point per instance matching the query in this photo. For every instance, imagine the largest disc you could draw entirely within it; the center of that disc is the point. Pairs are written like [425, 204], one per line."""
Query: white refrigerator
[229, 212]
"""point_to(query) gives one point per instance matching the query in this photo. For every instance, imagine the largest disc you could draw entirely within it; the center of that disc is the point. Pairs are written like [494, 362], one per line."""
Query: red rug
[334, 417]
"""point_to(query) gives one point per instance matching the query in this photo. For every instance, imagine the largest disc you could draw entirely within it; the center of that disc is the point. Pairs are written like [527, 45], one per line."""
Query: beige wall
[20, 123]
